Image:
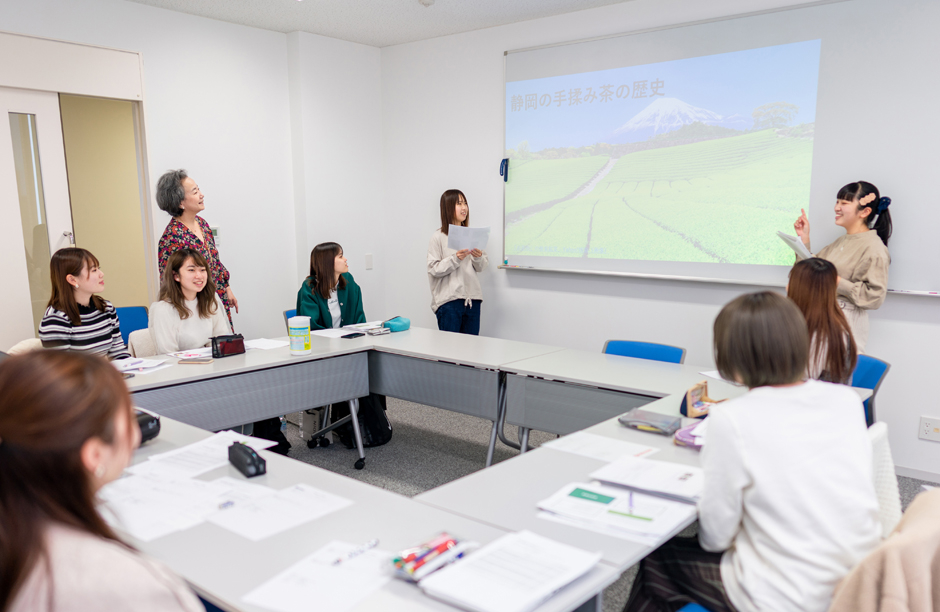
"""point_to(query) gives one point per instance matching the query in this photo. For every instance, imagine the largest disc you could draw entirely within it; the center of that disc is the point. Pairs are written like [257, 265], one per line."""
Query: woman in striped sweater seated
[77, 319]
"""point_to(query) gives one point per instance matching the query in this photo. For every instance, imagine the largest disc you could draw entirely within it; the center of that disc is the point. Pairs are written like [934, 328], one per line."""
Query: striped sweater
[99, 333]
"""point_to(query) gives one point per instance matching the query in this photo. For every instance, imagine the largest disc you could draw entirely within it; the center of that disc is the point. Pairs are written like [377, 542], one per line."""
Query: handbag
[397, 324]
[224, 346]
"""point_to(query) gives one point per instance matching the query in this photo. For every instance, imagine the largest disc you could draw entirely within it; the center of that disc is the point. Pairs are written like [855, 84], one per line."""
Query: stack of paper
[149, 507]
[364, 327]
[617, 512]
[515, 573]
[664, 479]
[319, 583]
[197, 458]
[139, 366]
[265, 344]
[284, 510]
[598, 447]
[205, 351]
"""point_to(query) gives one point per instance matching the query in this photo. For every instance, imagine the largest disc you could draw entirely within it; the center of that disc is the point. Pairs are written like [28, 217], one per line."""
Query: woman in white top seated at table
[788, 505]
[66, 430]
[189, 312]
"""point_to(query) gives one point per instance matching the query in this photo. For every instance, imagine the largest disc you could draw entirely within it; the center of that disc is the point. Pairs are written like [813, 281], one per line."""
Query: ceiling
[378, 23]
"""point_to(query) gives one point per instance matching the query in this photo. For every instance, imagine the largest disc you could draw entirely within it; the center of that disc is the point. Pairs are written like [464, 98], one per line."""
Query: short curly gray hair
[170, 192]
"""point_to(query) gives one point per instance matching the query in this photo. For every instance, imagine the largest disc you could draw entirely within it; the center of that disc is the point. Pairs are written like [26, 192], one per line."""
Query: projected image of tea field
[540, 181]
[713, 201]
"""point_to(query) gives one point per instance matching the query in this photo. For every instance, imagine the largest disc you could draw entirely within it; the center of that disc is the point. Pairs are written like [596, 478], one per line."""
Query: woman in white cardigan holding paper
[455, 288]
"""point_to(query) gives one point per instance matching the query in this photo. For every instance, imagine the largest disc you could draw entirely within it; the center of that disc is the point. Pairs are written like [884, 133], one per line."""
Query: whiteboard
[875, 120]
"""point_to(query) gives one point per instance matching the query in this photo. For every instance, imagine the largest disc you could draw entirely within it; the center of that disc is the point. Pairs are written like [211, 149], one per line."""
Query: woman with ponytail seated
[832, 353]
[861, 256]
[66, 430]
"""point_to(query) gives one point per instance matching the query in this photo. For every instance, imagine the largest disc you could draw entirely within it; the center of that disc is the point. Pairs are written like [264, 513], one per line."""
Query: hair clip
[864, 201]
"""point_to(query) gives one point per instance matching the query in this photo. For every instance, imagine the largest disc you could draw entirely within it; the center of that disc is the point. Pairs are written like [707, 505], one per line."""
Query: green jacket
[310, 304]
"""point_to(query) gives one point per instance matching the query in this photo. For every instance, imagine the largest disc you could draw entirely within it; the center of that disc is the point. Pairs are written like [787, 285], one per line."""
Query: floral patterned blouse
[177, 236]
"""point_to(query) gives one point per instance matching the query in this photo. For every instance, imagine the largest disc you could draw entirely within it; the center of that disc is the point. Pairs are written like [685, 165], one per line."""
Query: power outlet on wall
[929, 428]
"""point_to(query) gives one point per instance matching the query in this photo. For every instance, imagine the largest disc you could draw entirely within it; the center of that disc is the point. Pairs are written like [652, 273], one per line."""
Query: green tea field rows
[539, 181]
[713, 201]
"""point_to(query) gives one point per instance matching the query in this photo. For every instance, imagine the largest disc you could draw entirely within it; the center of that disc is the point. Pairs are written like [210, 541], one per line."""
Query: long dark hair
[67, 261]
[760, 339]
[449, 201]
[323, 269]
[172, 292]
[51, 403]
[812, 288]
[880, 217]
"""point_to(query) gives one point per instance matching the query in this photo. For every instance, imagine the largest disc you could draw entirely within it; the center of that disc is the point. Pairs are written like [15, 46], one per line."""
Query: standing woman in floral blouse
[179, 196]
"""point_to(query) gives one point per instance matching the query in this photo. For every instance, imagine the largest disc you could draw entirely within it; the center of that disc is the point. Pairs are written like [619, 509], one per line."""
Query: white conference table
[570, 390]
[450, 371]
[222, 566]
[528, 479]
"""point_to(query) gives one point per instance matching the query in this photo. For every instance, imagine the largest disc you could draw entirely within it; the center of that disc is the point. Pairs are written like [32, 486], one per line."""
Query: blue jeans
[454, 316]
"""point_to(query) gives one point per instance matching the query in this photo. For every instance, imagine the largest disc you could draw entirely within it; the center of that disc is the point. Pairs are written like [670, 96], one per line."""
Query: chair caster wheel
[324, 442]
[312, 443]
[361, 463]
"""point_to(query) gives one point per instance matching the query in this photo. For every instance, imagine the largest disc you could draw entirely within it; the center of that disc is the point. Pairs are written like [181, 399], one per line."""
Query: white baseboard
[918, 474]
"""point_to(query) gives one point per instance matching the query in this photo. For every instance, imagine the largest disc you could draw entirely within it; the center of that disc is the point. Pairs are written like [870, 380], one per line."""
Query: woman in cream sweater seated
[189, 312]
[66, 430]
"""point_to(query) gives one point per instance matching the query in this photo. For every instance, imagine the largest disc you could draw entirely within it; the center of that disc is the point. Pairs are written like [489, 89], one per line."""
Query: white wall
[443, 117]
[336, 102]
[298, 139]
[216, 103]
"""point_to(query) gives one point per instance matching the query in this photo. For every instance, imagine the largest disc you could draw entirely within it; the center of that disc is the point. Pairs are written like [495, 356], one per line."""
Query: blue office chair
[645, 350]
[131, 318]
[693, 607]
[287, 315]
[869, 372]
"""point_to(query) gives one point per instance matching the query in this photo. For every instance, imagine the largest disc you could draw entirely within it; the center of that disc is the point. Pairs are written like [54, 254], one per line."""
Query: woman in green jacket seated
[330, 296]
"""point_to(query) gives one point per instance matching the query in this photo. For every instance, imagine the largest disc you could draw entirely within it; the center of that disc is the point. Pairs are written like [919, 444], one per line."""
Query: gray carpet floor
[431, 447]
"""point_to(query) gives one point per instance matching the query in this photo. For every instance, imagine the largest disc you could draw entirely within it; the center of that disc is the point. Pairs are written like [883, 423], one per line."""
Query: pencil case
[225, 346]
[696, 402]
[397, 324]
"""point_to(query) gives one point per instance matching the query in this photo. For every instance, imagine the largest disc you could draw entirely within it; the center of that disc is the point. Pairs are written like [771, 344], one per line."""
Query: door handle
[71, 238]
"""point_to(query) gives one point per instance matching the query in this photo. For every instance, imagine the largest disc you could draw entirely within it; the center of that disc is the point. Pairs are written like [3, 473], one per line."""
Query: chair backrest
[287, 315]
[131, 318]
[885, 478]
[869, 373]
[140, 343]
[25, 346]
[645, 350]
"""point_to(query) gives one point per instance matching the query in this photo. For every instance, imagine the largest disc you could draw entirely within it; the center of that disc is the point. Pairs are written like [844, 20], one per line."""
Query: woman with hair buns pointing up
[860, 256]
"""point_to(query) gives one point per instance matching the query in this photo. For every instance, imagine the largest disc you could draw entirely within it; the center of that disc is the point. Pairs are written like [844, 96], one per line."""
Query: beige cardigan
[451, 278]
[903, 573]
[90, 573]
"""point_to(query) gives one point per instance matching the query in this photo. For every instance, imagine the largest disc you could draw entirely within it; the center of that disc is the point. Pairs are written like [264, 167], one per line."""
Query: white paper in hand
[796, 243]
[460, 237]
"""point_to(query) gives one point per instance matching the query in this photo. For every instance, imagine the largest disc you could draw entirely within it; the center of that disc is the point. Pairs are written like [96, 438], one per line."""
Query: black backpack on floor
[374, 426]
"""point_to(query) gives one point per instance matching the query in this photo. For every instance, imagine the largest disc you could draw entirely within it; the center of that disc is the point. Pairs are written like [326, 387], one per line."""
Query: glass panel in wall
[32, 210]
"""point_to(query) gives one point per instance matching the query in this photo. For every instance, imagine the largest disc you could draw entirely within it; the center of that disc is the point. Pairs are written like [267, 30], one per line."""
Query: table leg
[524, 440]
[492, 447]
[354, 411]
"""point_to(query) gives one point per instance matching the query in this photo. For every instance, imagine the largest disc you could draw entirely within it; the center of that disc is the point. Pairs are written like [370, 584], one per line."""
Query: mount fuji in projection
[668, 114]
